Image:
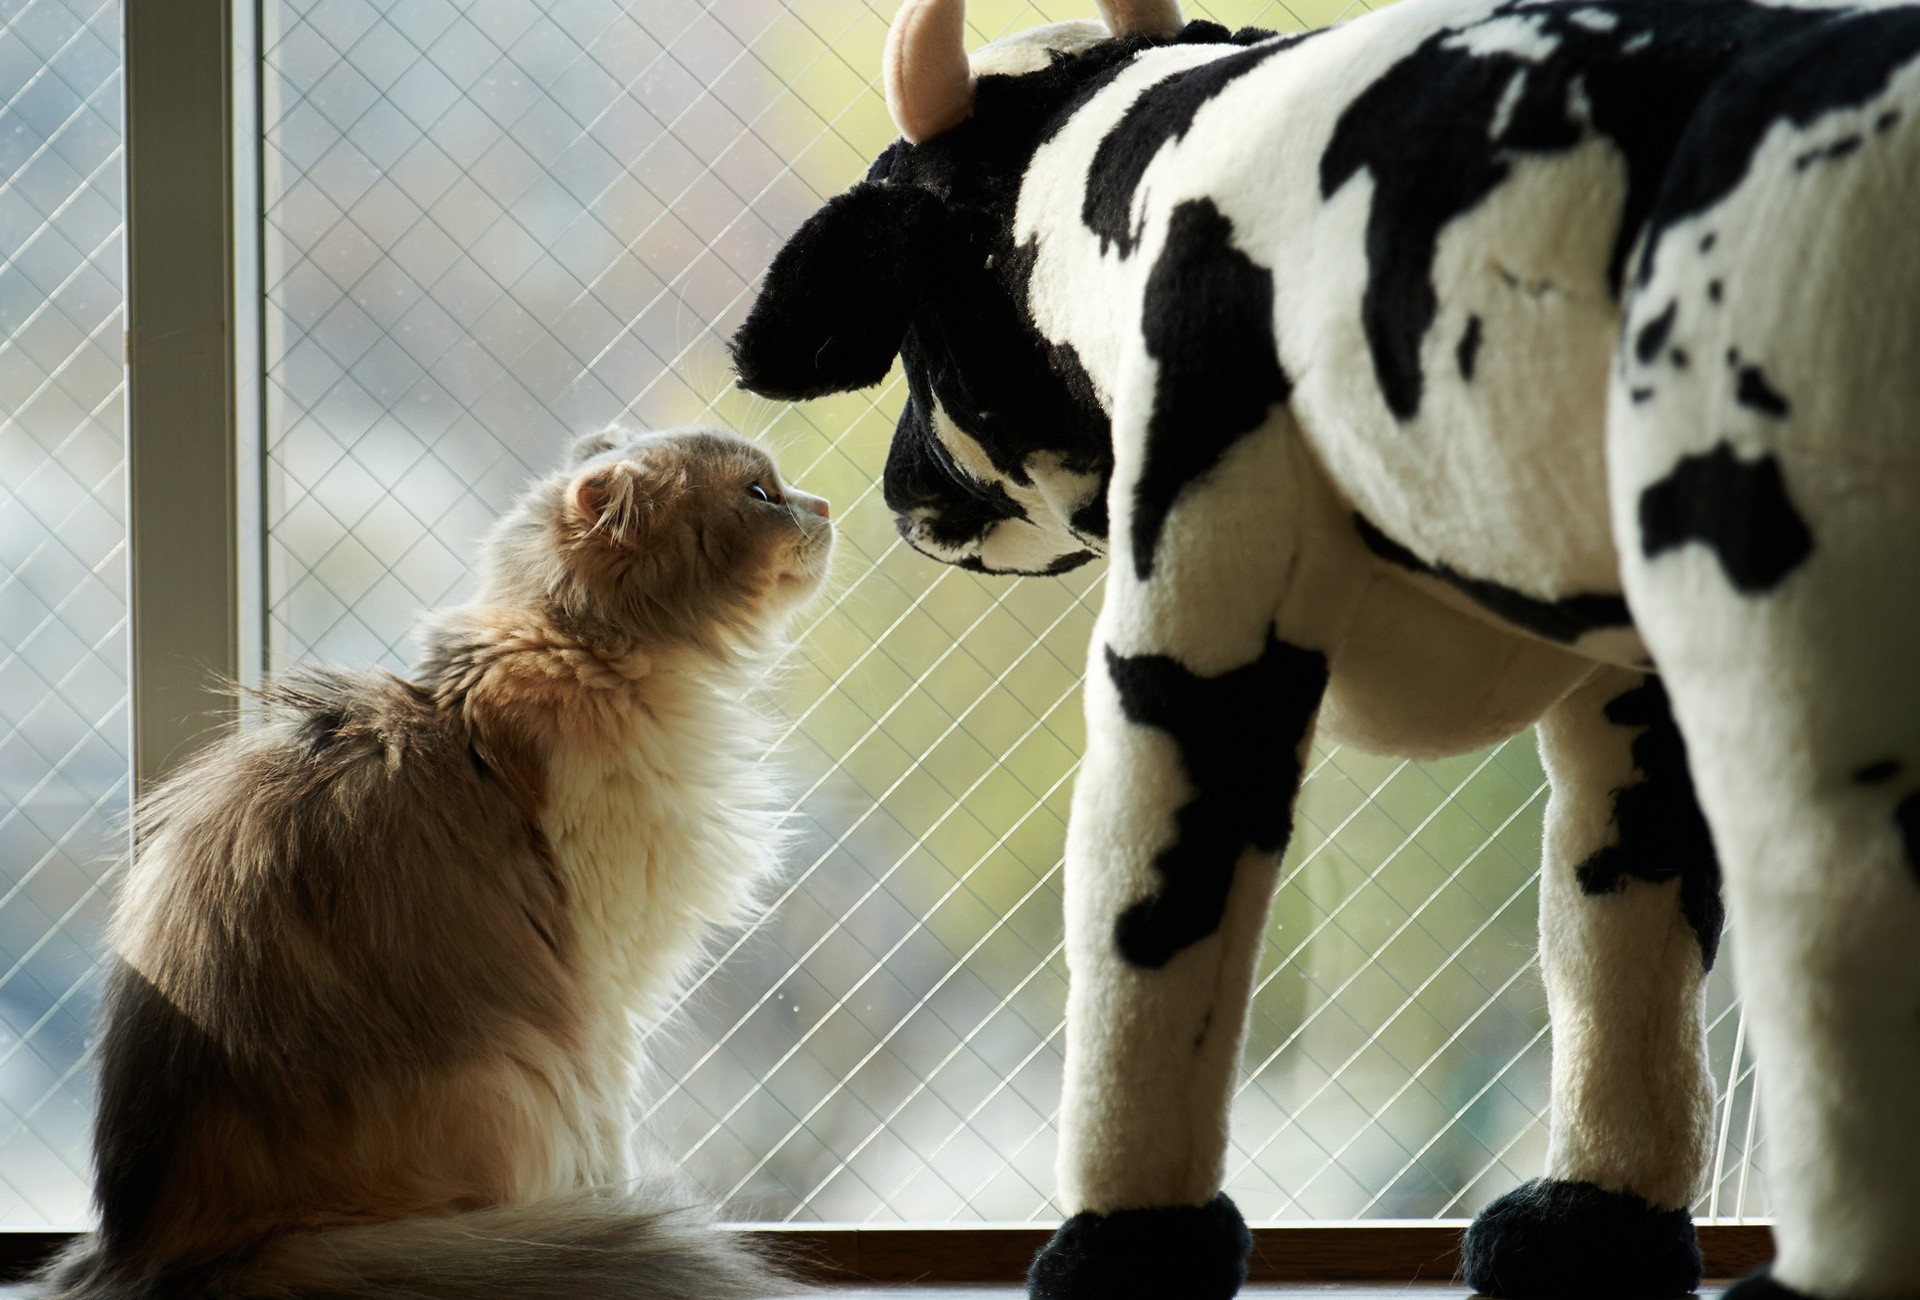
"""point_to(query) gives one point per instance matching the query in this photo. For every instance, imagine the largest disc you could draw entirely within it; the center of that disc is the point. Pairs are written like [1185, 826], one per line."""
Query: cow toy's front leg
[1182, 808]
[1629, 925]
[1199, 712]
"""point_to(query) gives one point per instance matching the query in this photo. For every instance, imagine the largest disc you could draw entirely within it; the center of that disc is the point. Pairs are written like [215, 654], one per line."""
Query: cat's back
[351, 862]
[333, 915]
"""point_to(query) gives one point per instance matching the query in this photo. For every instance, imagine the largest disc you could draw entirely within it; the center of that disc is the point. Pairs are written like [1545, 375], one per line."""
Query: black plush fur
[1738, 509]
[1438, 132]
[1551, 1240]
[1180, 1253]
[1907, 818]
[839, 296]
[920, 259]
[1761, 1286]
[1662, 834]
[1812, 63]
[1208, 322]
[1165, 111]
[1240, 737]
[1565, 620]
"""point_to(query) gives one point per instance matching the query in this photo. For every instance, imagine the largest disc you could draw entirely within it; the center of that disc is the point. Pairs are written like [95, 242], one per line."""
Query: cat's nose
[818, 505]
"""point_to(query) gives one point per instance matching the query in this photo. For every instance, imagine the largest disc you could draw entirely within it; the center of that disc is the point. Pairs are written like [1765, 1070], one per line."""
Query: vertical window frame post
[193, 373]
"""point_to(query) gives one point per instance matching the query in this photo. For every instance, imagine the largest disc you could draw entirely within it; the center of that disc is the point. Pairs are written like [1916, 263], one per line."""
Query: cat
[370, 1027]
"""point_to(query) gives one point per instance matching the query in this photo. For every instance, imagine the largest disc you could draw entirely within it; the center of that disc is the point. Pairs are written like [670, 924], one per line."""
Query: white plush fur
[1632, 1098]
[1780, 698]
[1143, 1113]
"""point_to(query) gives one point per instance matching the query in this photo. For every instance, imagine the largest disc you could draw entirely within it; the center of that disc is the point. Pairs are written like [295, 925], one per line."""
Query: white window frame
[194, 414]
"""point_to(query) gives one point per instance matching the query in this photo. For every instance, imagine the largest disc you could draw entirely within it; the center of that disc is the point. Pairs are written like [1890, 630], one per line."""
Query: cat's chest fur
[659, 822]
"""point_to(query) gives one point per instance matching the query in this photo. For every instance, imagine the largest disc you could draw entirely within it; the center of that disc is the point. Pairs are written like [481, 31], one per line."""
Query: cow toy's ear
[838, 298]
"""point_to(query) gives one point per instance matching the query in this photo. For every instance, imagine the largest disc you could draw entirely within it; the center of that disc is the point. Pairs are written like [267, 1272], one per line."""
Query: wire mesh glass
[492, 227]
[64, 767]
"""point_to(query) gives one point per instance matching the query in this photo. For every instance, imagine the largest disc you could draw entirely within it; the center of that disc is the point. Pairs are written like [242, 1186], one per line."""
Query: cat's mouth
[804, 568]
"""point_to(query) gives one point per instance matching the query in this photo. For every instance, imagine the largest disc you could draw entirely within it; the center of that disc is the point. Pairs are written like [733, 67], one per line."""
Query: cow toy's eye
[760, 493]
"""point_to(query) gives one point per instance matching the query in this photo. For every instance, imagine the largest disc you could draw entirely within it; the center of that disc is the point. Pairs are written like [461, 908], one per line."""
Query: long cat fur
[370, 1026]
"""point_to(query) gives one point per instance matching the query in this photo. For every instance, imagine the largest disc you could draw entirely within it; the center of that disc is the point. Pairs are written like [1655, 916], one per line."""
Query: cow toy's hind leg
[1629, 923]
[1802, 715]
[1767, 510]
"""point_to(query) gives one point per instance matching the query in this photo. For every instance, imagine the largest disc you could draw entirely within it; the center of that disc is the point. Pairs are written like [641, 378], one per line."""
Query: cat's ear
[613, 500]
[838, 298]
[593, 444]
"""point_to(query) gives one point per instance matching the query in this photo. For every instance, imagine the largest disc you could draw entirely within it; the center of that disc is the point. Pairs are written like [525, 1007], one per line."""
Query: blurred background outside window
[64, 771]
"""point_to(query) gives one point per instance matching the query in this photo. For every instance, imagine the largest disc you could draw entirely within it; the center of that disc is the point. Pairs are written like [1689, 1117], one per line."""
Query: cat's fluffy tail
[590, 1246]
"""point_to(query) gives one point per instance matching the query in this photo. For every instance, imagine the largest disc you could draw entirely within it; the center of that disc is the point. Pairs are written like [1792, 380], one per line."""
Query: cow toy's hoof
[1193, 1252]
[1761, 1286]
[1549, 1240]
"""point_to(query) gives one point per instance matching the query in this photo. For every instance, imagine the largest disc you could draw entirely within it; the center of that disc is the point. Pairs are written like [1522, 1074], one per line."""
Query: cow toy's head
[1003, 451]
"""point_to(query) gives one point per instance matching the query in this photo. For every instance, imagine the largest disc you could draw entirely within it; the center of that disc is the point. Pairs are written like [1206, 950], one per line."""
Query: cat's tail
[592, 1246]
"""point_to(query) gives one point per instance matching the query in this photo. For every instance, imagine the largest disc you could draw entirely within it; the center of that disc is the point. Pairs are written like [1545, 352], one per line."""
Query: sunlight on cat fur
[372, 1030]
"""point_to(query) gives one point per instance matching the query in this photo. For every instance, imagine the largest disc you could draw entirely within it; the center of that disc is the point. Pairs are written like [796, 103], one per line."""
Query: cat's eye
[758, 491]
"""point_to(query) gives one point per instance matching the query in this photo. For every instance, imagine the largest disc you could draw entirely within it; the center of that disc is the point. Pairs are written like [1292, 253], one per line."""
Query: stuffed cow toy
[1470, 365]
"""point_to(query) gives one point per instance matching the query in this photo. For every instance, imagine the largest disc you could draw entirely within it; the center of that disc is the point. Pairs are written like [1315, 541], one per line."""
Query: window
[490, 227]
[65, 776]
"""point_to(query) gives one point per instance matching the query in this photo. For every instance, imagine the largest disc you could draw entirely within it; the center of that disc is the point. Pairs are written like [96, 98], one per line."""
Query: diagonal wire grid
[489, 228]
[64, 768]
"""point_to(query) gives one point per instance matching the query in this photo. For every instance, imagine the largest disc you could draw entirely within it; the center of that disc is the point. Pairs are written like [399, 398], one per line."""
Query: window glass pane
[64, 771]
[492, 227]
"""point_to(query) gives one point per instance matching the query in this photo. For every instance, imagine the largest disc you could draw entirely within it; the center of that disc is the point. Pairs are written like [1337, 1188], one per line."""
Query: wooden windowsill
[1347, 1252]
[1355, 1252]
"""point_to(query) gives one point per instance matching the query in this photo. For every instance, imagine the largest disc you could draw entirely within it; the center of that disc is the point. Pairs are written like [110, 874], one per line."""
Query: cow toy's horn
[1142, 17]
[929, 83]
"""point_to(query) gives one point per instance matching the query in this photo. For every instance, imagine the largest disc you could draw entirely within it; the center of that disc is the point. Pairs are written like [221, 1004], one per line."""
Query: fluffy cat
[370, 1030]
